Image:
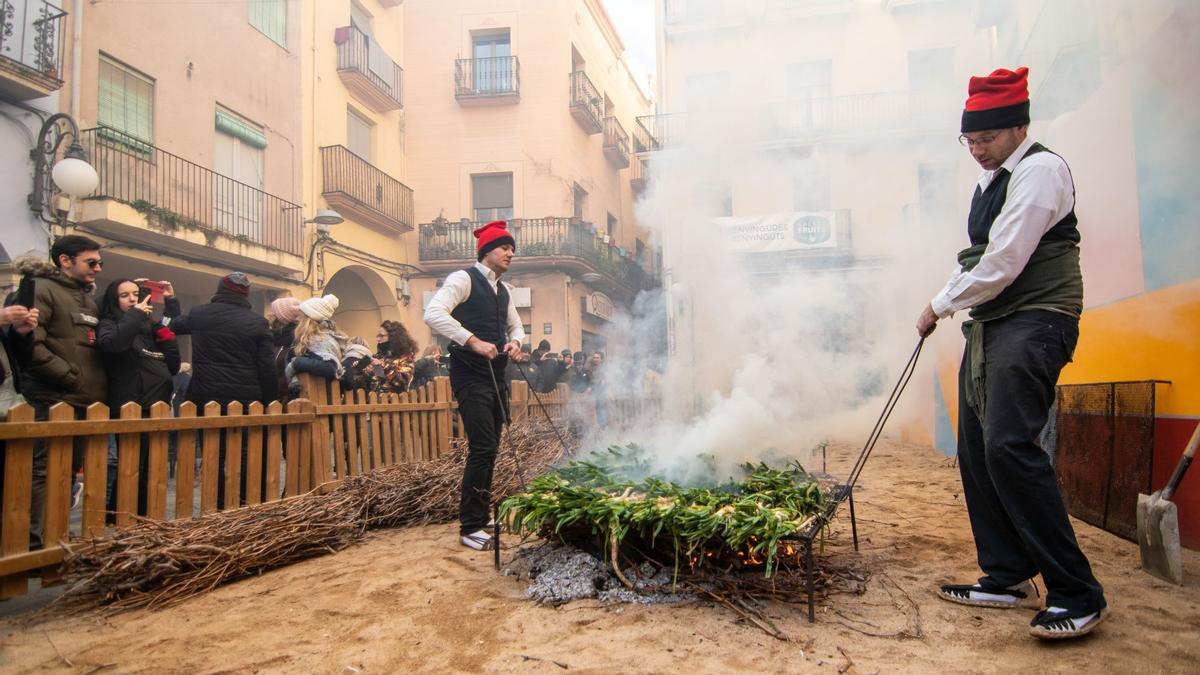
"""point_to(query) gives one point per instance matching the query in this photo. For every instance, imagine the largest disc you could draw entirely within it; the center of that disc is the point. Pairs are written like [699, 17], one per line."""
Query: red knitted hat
[998, 101]
[492, 235]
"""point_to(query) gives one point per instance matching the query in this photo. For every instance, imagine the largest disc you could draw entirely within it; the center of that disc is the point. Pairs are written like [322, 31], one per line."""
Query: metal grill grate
[1103, 445]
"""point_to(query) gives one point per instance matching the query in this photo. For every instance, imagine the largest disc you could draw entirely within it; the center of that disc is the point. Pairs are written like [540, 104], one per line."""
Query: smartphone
[25, 292]
[154, 289]
[143, 293]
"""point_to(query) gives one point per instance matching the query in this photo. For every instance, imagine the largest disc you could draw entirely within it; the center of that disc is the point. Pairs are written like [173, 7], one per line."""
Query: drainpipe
[76, 59]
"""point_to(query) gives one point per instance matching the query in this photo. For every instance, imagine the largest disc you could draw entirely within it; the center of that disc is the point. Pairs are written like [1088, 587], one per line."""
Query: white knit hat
[320, 309]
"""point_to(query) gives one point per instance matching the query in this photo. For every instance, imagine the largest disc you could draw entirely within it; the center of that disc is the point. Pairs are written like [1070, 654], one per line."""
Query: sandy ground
[414, 600]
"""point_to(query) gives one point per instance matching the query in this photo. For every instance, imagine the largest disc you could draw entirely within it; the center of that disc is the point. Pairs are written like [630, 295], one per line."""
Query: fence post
[156, 465]
[274, 454]
[59, 479]
[445, 400]
[254, 457]
[210, 468]
[294, 446]
[95, 468]
[233, 459]
[18, 482]
[518, 401]
[185, 465]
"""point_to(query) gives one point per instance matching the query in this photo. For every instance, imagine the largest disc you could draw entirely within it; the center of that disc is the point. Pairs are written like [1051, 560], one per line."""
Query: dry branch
[158, 563]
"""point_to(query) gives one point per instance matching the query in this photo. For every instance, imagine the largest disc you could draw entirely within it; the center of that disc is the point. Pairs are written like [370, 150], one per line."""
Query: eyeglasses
[94, 263]
[982, 140]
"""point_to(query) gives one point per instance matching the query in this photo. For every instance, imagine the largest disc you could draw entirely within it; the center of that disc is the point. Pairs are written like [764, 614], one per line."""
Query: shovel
[1158, 523]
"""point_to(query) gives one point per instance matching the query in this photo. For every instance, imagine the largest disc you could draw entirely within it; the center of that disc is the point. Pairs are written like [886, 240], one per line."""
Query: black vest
[485, 314]
[987, 204]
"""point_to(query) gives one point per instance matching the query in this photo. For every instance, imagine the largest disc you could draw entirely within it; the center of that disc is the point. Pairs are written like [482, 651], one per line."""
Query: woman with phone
[141, 358]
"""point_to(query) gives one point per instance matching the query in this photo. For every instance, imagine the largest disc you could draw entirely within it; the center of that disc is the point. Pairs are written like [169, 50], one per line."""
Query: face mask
[380, 346]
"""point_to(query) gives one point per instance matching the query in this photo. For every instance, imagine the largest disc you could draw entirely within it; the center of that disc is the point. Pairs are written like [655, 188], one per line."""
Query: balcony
[151, 197]
[587, 106]
[805, 120]
[616, 143]
[494, 80]
[564, 243]
[637, 175]
[364, 193]
[367, 71]
[31, 48]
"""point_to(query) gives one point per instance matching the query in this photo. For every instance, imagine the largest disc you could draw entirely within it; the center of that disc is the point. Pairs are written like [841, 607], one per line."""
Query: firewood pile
[159, 563]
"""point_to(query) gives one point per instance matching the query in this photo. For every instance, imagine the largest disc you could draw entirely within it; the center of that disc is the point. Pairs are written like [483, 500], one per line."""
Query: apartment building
[196, 142]
[32, 53]
[521, 110]
[354, 134]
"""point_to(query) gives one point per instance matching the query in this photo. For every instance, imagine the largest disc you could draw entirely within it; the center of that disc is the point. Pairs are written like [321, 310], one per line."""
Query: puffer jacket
[233, 358]
[65, 364]
[140, 365]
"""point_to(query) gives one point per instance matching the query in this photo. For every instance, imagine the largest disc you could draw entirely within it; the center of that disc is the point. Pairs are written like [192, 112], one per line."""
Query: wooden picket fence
[309, 444]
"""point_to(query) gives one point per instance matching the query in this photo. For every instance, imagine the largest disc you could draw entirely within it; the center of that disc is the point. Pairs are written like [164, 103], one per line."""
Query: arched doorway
[365, 299]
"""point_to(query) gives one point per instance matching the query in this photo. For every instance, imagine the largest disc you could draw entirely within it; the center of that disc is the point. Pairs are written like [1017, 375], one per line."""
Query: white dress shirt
[454, 291]
[1040, 193]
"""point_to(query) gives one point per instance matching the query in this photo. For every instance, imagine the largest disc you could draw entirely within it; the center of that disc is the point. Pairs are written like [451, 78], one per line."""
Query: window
[126, 100]
[931, 69]
[611, 227]
[579, 196]
[238, 162]
[811, 192]
[577, 62]
[639, 251]
[809, 87]
[706, 91]
[270, 18]
[717, 198]
[492, 196]
[360, 18]
[493, 67]
[358, 134]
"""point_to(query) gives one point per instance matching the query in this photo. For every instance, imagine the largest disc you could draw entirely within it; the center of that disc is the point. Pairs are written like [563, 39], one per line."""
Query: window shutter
[489, 192]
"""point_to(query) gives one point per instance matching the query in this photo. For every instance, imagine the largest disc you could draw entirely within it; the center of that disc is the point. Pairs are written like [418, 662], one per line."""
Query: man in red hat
[1021, 281]
[474, 310]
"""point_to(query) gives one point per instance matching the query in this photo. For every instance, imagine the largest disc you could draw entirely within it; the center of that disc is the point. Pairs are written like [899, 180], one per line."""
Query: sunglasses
[94, 263]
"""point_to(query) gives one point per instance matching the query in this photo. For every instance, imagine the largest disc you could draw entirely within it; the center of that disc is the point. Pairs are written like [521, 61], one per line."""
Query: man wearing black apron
[1021, 281]
[474, 310]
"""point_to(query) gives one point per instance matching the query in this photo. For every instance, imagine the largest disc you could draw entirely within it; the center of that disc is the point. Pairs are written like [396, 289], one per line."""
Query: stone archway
[365, 299]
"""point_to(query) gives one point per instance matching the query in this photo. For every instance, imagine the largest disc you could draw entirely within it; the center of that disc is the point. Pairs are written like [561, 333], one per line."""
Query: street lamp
[72, 175]
[325, 219]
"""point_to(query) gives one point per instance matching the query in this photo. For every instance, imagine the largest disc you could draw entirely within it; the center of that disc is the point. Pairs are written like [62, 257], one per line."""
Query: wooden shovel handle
[1184, 462]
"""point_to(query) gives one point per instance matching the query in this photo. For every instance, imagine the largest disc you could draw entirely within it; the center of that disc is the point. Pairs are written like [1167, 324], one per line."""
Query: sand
[413, 600]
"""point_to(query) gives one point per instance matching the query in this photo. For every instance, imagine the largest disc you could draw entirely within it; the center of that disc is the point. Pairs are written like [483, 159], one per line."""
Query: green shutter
[270, 18]
[234, 127]
[126, 101]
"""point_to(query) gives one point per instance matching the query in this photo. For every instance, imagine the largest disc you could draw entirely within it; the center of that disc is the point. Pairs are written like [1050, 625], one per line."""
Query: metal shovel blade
[1158, 537]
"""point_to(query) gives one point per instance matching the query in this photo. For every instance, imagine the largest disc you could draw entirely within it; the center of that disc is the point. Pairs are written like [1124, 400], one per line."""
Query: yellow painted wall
[1154, 335]
[367, 290]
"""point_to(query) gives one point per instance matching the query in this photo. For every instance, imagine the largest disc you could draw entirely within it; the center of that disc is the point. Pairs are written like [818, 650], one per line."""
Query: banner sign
[780, 231]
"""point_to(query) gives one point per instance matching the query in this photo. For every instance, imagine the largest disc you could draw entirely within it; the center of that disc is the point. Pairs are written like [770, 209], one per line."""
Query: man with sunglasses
[65, 365]
[1021, 281]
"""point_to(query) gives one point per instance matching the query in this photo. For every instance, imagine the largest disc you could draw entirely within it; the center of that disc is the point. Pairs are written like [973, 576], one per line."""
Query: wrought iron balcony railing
[173, 193]
[492, 77]
[446, 240]
[31, 46]
[587, 106]
[616, 142]
[363, 191]
[370, 74]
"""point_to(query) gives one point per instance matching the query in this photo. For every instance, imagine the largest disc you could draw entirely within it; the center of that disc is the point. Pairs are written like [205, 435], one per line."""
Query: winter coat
[141, 358]
[65, 364]
[281, 339]
[233, 358]
[424, 370]
[16, 350]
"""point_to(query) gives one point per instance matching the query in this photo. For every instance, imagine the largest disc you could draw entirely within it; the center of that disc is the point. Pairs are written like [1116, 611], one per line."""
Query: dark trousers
[1016, 510]
[483, 420]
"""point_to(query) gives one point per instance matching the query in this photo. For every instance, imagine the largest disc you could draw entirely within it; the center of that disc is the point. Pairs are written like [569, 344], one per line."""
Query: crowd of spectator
[59, 346]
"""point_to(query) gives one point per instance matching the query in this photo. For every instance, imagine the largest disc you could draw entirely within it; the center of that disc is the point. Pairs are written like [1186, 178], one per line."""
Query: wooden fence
[310, 444]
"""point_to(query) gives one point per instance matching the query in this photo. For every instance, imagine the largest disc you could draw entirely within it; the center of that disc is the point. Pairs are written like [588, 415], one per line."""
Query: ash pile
[559, 573]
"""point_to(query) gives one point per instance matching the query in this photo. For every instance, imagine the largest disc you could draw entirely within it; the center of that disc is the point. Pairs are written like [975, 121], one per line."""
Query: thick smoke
[768, 358]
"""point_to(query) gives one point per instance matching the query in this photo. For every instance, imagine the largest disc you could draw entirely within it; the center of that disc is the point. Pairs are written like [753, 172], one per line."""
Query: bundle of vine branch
[158, 563]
